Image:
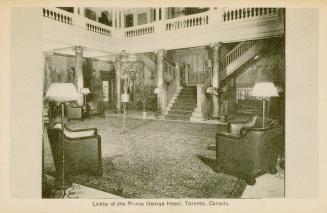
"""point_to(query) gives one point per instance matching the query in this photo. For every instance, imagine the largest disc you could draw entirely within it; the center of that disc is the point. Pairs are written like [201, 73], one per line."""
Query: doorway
[108, 86]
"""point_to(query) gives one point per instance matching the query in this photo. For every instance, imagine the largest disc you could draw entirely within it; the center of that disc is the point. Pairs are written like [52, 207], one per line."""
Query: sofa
[248, 150]
[81, 152]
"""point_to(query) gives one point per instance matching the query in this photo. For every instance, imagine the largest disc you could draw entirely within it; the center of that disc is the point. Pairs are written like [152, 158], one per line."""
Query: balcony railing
[215, 21]
[98, 28]
[247, 13]
[139, 30]
[191, 21]
[58, 15]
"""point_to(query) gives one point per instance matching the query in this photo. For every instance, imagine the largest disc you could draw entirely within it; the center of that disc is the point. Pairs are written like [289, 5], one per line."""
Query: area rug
[156, 159]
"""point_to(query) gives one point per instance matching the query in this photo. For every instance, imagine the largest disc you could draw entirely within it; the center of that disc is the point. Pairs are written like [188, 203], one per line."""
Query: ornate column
[47, 69]
[118, 81]
[122, 20]
[164, 13]
[215, 78]
[161, 89]
[79, 70]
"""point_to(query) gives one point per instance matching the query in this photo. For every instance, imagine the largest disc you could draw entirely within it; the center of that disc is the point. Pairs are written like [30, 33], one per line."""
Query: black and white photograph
[163, 102]
[152, 106]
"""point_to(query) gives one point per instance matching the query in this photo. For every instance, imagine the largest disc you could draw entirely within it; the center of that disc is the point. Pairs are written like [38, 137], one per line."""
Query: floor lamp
[124, 99]
[264, 91]
[61, 93]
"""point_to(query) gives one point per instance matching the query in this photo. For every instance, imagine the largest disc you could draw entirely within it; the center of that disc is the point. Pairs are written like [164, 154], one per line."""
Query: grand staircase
[184, 105]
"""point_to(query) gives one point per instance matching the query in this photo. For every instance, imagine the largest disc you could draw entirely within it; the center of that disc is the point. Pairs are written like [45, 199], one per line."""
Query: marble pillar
[118, 89]
[160, 82]
[47, 70]
[215, 78]
[79, 82]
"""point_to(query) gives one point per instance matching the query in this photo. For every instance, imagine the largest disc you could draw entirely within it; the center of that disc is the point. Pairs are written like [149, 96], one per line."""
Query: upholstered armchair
[95, 108]
[248, 150]
[74, 111]
[81, 151]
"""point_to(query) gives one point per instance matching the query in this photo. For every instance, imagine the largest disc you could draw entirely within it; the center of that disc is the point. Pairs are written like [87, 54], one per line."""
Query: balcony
[215, 25]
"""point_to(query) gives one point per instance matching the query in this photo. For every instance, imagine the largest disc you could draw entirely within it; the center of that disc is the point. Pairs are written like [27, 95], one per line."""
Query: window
[141, 18]
[90, 14]
[129, 20]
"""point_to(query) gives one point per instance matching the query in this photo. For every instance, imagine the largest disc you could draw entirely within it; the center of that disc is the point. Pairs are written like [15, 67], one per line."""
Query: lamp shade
[61, 92]
[264, 89]
[85, 91]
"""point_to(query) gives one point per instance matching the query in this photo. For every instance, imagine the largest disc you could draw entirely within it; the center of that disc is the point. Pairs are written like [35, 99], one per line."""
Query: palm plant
[125, 65]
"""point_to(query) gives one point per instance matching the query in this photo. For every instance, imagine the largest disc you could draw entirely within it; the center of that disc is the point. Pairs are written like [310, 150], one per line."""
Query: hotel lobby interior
[178, 102]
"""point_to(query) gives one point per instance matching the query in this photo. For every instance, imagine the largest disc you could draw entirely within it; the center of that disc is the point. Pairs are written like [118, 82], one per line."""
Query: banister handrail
[236, 52]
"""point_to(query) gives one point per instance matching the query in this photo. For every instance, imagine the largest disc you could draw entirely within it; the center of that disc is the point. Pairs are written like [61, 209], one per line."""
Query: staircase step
[186, 101]
[178, 117]
[180, 112]
[188, 92]
[183, 108]
[186, 98]
[187, 95]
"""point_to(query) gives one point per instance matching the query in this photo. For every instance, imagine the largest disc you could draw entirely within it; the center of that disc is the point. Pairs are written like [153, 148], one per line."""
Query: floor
[159, 159]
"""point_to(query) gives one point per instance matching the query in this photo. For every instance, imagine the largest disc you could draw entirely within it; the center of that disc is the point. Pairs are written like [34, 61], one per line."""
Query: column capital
[215, 46]
[48, 53]
[78, 49]
[161, 52]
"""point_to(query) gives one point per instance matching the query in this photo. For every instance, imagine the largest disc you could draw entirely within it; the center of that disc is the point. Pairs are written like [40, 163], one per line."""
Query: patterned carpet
[156, 159]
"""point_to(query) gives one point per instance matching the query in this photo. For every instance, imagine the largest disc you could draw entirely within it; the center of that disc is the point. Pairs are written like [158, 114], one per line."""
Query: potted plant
[125, 66]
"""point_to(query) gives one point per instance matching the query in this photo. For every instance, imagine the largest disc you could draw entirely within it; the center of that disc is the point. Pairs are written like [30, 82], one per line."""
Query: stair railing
[234, 54]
